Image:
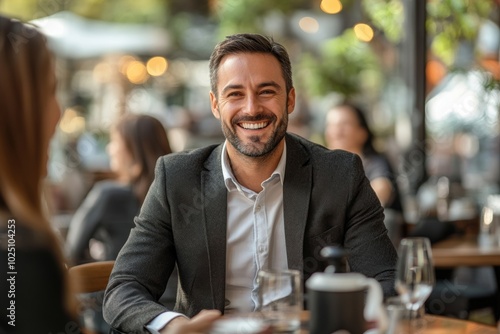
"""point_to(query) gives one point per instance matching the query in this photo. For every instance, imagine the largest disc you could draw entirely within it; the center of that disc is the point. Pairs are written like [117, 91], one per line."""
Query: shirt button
[261, 249]
[257, 208]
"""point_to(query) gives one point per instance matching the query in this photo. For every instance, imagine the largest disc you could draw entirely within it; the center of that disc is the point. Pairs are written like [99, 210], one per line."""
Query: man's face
[252, 102]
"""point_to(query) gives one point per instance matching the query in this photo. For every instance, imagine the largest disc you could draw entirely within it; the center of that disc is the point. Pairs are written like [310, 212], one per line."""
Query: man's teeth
[254, 126]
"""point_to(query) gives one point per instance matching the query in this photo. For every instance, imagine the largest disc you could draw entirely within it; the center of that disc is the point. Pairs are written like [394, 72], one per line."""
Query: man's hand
[199, 324]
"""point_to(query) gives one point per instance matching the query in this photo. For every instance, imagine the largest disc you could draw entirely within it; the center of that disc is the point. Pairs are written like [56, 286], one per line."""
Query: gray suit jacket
[327, 200]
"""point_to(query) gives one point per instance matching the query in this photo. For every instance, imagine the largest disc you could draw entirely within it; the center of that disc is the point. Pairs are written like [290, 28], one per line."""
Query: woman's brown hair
[27, 87]
[146, 140]
[25, 84]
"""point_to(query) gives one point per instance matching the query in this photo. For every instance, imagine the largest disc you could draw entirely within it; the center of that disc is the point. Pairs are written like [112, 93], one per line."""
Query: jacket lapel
[296, 196]
[215, 214]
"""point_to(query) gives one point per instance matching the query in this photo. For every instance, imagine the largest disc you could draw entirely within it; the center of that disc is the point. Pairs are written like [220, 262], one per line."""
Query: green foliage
[238, 16]
[129, 11]
[27, 10]
[386, 15]
[448, 22]
[126, 11]
[491, 85]
[343, 66]
[452, 21]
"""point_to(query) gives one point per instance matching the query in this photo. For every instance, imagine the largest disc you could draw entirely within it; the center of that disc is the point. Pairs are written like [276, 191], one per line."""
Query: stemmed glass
[414, 274]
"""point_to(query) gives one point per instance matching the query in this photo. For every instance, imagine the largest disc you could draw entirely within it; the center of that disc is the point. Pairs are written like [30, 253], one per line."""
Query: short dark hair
[250, 43]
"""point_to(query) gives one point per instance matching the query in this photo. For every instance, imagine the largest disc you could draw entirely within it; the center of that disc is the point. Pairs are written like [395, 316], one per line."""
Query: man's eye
[267, 92]
[234, 94]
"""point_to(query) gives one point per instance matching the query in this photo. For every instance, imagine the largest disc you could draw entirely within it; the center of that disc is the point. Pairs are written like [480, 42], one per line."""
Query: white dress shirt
[255, 234]
[255, 239]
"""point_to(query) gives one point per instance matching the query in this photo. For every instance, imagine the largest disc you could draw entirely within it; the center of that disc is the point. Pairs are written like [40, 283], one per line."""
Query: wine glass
[489, 231]
[414, 274]
[280, 299]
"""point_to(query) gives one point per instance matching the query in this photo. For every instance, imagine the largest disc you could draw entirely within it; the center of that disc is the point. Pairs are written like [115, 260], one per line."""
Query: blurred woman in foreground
[36, 298]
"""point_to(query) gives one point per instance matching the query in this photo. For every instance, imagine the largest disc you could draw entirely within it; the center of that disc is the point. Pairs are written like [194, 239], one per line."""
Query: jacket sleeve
[371, 252]
[144, 264]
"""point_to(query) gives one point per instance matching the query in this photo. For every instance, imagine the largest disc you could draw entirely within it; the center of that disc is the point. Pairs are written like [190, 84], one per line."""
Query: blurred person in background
[35, 291]
[102, 223]
[347, 129]
[108, 211]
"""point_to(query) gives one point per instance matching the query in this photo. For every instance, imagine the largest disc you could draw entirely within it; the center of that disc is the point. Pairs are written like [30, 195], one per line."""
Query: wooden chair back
[91, 277]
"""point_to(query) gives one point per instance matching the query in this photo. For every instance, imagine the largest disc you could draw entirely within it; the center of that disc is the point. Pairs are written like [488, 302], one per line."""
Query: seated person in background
[107, 213]
[347, 129]
[263, 199]
[34, 289]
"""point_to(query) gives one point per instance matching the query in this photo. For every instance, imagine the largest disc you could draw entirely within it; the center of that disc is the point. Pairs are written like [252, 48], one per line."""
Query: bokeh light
[137, 73]
[123, 63]
[331, 6]
[71, 122]
[435, 72]
[309, 25]
[363, 32]
[157, 66]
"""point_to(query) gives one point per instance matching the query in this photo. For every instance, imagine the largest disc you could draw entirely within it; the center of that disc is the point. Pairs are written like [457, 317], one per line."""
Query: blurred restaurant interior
[426, 72]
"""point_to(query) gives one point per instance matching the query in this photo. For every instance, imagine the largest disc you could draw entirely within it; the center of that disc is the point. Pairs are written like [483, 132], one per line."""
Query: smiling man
[263, 199]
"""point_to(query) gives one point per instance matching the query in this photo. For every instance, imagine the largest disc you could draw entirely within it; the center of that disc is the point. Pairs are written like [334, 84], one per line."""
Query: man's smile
[253, 126]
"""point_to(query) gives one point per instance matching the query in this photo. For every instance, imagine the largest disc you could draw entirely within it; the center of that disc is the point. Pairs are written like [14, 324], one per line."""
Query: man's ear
[291, 101]
[214, 105]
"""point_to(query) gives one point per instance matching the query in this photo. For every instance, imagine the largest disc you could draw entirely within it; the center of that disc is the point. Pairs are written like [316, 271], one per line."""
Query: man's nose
[252, 104]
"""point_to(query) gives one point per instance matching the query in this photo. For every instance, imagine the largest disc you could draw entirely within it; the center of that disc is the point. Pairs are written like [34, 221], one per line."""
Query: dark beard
[256, 151]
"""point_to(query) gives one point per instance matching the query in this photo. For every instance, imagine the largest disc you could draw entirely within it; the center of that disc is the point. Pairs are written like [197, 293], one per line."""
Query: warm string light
[137, 72]
[331, 6]
[363, 32]
[157, 66]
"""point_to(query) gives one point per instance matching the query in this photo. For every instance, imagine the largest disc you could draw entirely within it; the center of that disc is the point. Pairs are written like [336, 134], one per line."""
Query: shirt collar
[231, 182]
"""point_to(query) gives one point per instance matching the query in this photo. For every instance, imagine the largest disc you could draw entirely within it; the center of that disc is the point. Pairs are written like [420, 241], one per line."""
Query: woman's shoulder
[377, 158]
[377, 165]
[107, 194]
[110, 188]
[106, 185]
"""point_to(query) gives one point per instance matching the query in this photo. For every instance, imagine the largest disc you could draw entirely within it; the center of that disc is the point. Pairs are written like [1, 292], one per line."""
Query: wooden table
[464, 251]
[435, 325]
[442, 325]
